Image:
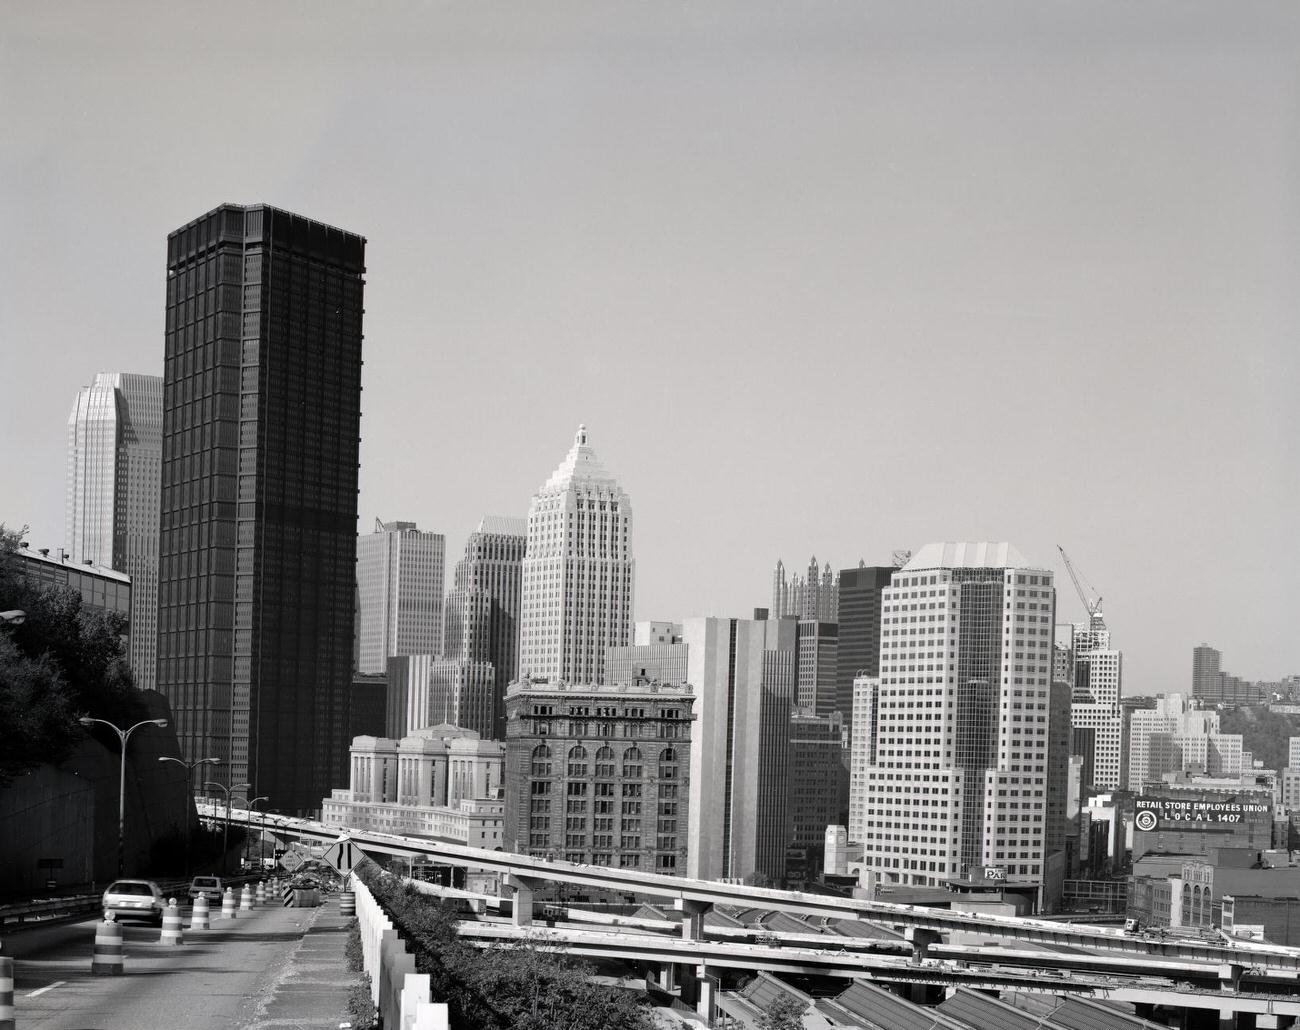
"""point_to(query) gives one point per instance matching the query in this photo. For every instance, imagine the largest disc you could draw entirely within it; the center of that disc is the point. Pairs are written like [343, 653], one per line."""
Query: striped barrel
[171, 925]
[108, 959]
[347, 904]
[246, 899]
[7, 1019]
[228, 904]
[199, 914]
[260, 896]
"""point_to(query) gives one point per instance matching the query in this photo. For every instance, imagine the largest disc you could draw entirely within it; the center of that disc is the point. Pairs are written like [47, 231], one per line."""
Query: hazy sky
[821, 278]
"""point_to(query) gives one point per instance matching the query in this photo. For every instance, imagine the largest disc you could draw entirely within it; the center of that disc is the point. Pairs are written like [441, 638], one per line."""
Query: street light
[225, 827]
[189, 771]
[123, 736]
[252, 807]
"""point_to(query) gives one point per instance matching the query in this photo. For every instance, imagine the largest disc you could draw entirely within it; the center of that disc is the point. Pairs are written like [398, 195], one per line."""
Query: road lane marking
[57, 983]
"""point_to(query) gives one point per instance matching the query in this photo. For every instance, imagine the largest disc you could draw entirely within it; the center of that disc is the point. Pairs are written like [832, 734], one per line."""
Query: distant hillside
[1263, 733]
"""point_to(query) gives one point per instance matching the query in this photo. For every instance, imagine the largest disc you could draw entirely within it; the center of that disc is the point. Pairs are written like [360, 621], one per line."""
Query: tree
[784, 1013]
[35, 712]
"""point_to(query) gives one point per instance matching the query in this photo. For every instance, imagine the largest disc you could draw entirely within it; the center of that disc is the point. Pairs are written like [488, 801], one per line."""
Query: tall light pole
[123, 736]
[252, 807]
[225, 827]
[189, 772]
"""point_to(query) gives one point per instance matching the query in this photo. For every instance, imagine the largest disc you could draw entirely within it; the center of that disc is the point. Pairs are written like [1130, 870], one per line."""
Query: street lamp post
[123, 736]
[252, 807]
[225, 827]
[189, 768]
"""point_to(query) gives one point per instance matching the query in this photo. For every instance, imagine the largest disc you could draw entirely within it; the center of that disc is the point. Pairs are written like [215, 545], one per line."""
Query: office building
[743, 675]
[399, 593]
[482, 611]
[959, 783]
[859, 632]
[577, 572]
[1212, 686]
[1176, 736]
[111, 511]
[817, 646]
[646, 663]
[598, 773]
[463, 693]
[862, 751]
[813, 597]
[258, 519]
[1098, 671]
[816, 772]
[101, 588]
[441, 782]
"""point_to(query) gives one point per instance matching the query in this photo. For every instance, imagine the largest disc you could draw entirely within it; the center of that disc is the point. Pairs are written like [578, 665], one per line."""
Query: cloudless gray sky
[821, 278]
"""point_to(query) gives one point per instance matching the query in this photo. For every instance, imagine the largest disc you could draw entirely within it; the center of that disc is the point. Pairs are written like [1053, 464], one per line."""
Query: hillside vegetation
[1263, 733]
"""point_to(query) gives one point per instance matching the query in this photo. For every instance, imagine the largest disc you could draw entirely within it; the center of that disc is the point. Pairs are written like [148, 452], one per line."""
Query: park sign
[1198, 814]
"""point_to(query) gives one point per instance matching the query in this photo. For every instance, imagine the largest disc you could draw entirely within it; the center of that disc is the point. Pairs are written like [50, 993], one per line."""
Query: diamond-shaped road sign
[342, 855]
[290, 861]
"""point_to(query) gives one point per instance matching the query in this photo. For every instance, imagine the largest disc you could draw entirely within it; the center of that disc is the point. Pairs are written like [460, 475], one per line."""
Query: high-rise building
[962, 746]
[818, 648]
[814, 597]
[111, 515]
[743, 675]
[815, 775]
[1205, 673]
[862, 751]
[859, 634]
[1175, 736]
[1098, 671]
[577, 572]
[399, 593]
[598, 773]
[482, 612]
[258, 534]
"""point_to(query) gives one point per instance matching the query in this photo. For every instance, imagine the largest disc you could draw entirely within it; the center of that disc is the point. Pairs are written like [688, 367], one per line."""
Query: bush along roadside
[361, 1009]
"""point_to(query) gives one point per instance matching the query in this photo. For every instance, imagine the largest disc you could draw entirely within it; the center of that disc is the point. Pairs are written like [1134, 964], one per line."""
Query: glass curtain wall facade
[261, 427]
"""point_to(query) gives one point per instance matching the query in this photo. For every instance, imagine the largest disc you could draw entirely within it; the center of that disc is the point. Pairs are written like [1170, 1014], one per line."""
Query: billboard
[1204, 814]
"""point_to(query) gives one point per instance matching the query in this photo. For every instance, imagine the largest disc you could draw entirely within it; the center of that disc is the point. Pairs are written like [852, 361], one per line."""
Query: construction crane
[1094, 605]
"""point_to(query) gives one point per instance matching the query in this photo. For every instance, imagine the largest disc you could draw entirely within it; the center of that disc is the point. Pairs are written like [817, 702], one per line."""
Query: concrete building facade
[399, 593]
[113, 483]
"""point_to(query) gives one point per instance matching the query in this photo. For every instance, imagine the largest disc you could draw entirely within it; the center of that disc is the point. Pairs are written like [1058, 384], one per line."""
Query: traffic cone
[260, 897]
[199, 914]
[8, 1021]
[108, 959]
[171, 925]
[347, 904]
[228, 904]
[246, 899]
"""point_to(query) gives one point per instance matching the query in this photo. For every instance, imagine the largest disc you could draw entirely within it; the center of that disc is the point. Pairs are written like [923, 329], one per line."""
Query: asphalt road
[223, 978]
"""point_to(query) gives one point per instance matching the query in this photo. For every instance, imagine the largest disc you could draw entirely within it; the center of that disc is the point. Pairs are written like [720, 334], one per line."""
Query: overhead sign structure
[1195, 815]
[342, 855]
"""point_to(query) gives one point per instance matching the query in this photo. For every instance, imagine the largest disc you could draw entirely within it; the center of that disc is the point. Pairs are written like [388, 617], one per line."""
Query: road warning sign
[342, 855]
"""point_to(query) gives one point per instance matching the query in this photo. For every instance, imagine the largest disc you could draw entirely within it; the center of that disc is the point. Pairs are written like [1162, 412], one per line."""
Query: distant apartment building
[441, 782]
[113, 489]
[959, 783]
[481, 615]
[858, 652]
[399, 593]
[1212, 686]
[743, 675]
[1176, 736]
[813, 597]
[578, 571]
[598, 773]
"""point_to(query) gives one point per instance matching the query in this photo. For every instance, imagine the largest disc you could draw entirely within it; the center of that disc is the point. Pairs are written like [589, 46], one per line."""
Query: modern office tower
[441, 782]
[111, 516]
[258, 533]
[408, 699]
[368, 707]
[646, 663]
[1058, 768]
[743, 674]
[482, 612]
[1083, 746]
[1175, 736]
[1205, 673]
[577, 572]
[1098, 670]
[462, 693]
[814, 598]
[1293, 753]
[818, 653]
[399, 593]
[815, 776]
[960, 778]
[1127, 706]
[598, 773]
[859, 634]
[862, 751]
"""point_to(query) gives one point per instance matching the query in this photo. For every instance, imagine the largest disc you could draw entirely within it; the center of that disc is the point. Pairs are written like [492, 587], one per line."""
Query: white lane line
[50, 987]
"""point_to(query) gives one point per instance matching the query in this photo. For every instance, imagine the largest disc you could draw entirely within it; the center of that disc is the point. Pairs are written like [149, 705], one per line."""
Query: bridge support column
[1273, 1021]
[1230, 976]
[706, 994]
[1144, 1010]
[920, 938]
[522, 908]
[693, 913]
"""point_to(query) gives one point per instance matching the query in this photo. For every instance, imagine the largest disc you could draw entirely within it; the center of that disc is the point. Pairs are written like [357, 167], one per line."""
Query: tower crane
[1094, 605]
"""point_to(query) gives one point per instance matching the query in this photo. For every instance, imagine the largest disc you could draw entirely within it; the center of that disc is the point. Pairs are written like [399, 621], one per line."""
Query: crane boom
[1093, 606]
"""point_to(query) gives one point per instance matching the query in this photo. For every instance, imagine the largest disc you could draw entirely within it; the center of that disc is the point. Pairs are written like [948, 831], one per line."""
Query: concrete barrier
[171, 925]
[8, 1021]
[199, 914]
[108, 959]
[398, 991]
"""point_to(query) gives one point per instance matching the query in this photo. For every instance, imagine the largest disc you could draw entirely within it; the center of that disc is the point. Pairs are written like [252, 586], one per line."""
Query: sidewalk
[311, 991]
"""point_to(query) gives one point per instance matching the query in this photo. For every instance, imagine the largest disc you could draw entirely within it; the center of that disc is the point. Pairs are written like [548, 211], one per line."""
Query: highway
[225, 977]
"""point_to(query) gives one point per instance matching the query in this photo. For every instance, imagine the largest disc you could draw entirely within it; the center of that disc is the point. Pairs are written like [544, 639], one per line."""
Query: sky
[821, 278]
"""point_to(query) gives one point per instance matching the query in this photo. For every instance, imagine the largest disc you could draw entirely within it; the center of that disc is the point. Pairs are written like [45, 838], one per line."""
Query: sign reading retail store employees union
[1221, 815]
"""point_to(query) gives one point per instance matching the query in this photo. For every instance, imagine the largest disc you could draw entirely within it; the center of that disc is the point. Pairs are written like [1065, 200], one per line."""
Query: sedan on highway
[207, 886]
[134, 899]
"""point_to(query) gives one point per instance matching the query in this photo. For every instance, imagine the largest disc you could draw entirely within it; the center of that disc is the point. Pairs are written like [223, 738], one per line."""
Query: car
[134, 899]
[206, 886]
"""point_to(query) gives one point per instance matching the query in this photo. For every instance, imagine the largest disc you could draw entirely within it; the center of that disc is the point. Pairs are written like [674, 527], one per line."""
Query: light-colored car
[134, 899]
[207, 886]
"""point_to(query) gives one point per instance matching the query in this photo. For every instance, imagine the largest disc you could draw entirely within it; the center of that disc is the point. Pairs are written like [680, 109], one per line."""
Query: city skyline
[1108, 244]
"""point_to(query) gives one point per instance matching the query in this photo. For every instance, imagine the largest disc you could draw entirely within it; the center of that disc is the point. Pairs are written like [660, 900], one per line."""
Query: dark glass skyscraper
[859, 633]
[261, 421]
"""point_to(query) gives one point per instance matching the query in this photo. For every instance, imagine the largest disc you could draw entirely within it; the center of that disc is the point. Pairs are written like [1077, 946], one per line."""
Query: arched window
[541, 760]
[577, 751]
[668, 768]
[605, 762]
[577, 760]
[632, 763]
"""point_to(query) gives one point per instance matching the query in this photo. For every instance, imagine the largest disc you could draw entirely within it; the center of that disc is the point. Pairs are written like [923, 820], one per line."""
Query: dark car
[134, 899]
[207, 886]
